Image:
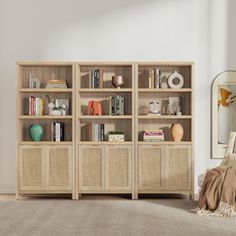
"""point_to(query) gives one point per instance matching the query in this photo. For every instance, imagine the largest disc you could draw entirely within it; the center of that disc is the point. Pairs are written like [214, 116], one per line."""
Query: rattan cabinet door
[91, 167]
[31, 167]
[150, 167]
[118, 167]
[59, 167]
[178, 167]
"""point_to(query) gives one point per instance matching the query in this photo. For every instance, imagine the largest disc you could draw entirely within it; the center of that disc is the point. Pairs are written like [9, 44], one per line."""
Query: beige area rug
[42, 217]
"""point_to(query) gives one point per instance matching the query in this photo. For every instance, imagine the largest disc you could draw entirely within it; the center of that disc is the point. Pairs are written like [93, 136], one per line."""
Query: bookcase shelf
[105, 117]
[45, 90]
[149, 90]
[108, 90]
[149, 117]
[46, 143]
[46, 117]
[82, 165]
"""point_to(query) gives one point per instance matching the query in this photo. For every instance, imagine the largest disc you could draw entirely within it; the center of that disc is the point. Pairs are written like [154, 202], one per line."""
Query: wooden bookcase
[46, 166]
[104, 167]
[79, 165]
[167, 166]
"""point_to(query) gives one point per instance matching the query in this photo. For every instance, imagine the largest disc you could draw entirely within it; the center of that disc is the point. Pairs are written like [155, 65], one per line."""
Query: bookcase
[45, 166]
[84, 161]
[165, 166]
[102, 166]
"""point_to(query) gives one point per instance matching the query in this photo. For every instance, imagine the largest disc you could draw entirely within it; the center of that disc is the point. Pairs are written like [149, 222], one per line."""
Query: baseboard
[6, 189]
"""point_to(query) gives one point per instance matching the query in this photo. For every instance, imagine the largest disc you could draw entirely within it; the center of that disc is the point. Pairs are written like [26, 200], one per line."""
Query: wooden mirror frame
[225, 78]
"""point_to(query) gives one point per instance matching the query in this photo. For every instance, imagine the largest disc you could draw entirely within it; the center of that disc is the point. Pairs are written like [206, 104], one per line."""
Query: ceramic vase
[177, 132]
[36, 132]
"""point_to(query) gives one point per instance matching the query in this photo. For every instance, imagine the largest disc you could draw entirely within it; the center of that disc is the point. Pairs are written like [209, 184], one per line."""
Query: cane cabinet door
[178, 167]
[31, 167]
[59, 167]
[150, 167]
[91, 167]
[118, 167]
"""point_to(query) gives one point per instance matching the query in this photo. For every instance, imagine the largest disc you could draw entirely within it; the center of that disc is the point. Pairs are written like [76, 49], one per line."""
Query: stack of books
[35, 106]
[153, 135]
[116, 105]
[57, 131]
[96, 132]
[56, 83]
[154, 78]
[96, 78]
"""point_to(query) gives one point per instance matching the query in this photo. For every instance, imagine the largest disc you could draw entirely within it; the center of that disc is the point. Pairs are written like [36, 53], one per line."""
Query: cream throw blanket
[217, 195]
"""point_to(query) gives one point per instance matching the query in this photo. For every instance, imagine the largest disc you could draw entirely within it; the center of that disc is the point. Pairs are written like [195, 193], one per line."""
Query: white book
[58, 132]
[37, 106]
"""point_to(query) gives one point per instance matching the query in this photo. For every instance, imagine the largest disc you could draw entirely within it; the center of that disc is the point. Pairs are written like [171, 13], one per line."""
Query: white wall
[198, 30]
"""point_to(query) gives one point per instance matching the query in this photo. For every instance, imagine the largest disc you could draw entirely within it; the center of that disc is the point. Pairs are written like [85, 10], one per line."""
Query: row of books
[154, 78]
[35, 106]
[153, 135]
[57, 131]
[96, 78]
[56, 83]
[96, 132]
[116, 105]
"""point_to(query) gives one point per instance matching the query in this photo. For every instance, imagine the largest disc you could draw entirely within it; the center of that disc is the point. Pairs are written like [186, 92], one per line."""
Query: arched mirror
[223, 111]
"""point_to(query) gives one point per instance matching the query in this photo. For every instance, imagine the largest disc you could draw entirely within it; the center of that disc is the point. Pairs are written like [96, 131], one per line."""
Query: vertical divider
[77, 128]
[73, 131]
[135, 115]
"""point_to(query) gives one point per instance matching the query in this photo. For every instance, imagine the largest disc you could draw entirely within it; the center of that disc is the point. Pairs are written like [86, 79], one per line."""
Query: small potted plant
[116, 136]
[59, 111]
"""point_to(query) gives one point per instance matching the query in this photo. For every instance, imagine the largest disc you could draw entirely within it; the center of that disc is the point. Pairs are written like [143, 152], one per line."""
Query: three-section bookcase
[79, 165]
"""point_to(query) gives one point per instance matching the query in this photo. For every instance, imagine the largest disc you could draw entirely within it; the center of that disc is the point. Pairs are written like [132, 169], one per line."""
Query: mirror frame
[227, 77]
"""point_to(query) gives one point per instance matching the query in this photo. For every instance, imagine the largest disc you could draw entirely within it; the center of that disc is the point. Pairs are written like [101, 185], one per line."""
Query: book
[57, 131]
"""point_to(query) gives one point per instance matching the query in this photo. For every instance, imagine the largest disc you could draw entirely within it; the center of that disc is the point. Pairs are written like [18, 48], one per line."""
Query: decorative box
[116, 137]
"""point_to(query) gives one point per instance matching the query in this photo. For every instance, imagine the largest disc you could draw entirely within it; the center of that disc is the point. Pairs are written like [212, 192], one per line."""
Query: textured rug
[42, 217]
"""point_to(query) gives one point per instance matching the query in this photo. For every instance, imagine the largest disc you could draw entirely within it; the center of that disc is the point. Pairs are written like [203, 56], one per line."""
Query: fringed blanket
[217, 196]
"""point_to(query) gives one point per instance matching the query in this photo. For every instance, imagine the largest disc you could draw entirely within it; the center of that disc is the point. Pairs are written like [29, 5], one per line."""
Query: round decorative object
[176, 80]
[117, 81]
[36, 132]
[177, 132]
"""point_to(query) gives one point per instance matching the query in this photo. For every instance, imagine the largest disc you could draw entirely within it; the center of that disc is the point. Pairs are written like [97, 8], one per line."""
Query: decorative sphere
[36, 132]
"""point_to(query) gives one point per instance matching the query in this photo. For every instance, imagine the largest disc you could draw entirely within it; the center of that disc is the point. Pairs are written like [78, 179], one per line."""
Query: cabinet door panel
[32, 167]
[91, 167]
[59, 167]
[150, 167]
[118, 167]
[178, 167]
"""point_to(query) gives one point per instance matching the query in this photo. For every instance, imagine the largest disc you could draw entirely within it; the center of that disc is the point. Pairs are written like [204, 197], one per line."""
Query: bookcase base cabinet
[164, 168]
[45, 169]
[104, 168]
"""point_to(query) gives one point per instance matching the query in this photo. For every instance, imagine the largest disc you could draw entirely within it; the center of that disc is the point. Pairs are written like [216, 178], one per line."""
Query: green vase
[36, 132]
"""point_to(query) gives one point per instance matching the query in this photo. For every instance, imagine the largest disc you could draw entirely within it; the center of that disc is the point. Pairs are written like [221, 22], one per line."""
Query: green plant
[60, 108]
[116, 132]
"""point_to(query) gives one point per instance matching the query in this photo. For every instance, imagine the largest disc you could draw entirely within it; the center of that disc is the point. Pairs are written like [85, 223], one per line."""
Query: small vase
[177, 132]
[36, 132]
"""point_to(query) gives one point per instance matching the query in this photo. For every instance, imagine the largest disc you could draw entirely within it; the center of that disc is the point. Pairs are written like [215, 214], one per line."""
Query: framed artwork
[223, 112]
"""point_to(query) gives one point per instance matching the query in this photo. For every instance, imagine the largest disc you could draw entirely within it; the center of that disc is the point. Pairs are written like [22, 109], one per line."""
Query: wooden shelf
[148, 117]
[105, 117]
[147, 90]
[104, 142]
[45, 90]
[45, 142]
[46, 117]
[105, 90]
[165, 143]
